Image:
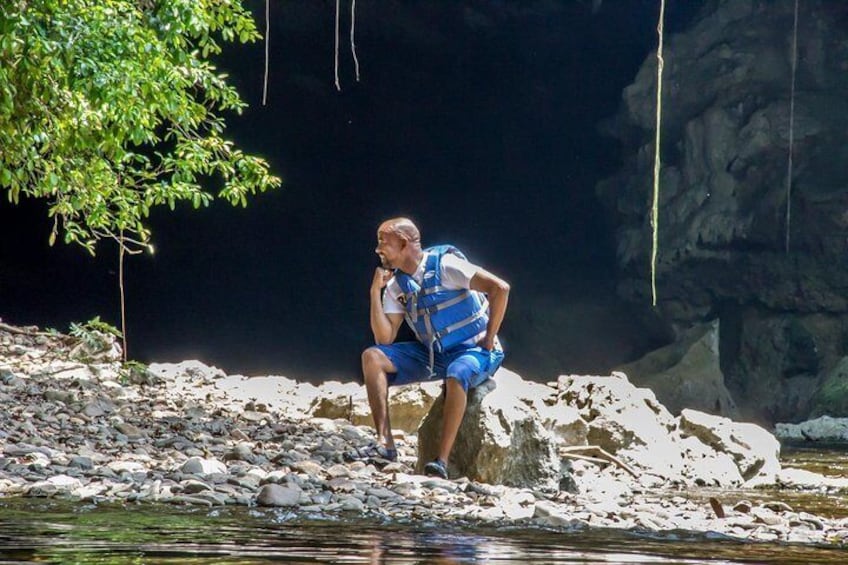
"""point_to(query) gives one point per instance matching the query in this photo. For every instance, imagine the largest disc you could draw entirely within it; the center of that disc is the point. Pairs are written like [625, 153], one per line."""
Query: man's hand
[381, 279]
[487, 343]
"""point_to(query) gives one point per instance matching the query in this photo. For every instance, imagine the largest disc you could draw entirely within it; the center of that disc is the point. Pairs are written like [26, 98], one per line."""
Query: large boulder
[501, 439]
[686, 373]
[516, 432]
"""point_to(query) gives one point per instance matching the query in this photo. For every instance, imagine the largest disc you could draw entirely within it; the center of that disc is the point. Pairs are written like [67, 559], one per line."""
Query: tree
[111, 107]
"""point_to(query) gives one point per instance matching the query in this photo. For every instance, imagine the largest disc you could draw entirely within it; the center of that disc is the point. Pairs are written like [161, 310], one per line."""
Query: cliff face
[783, 316]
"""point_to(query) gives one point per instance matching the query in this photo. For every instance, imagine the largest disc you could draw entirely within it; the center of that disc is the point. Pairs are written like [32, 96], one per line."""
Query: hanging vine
[655, 205]
[352, 42]
[267, 40]
[336, 49]
[791, 128]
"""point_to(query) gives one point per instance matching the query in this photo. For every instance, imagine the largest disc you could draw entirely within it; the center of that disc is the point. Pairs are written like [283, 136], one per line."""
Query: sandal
[372, 453]
[436, 468]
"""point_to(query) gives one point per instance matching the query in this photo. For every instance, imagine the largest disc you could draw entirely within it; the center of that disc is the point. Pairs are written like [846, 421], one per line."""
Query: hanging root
[791, 128]
[338, 86]
[352, 43]
[267, 39]
[655, 206]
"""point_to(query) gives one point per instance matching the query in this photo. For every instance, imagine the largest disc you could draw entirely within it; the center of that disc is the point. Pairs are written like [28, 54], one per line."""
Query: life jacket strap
[461, 324]
[433, 289]
[442, 305]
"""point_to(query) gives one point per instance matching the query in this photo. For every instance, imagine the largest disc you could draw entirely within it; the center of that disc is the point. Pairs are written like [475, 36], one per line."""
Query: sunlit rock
[626, 421]
[190, 371]
[501, 439]
[349, 401]
[336, 400]
[201, 466]
[755, 451]
[704, 466]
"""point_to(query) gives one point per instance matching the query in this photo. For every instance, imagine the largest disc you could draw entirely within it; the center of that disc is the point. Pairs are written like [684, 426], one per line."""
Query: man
[455, 309]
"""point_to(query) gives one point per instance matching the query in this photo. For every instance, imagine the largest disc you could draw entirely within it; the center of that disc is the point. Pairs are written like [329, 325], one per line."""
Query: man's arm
[498, 292]
[384, 326]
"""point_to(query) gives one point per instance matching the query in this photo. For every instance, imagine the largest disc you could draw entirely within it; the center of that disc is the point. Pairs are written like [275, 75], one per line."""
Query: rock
[686, 374]
[501, 440]
[308, 467]
[54, 395]
[81, 462]
[348, 401]
[410, 404]
[241, 452]
[191, 371]
[722, 251]
[276, 495]
[132, 432]
[193, 487]
[201, 466]
[705, 466]
[98, 407]
[352, 504]
[552, 515]
[831, 398]
[755, 451]
[625, 420]
[823, 428]
[345, 401]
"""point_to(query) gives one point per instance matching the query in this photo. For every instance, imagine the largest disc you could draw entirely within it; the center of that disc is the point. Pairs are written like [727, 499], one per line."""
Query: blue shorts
[468, 365]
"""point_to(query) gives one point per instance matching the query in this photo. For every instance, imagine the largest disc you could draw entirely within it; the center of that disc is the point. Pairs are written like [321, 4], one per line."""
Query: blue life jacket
[441, 318]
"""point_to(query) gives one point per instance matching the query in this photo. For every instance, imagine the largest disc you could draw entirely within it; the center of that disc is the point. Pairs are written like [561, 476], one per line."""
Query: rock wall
[723, 222]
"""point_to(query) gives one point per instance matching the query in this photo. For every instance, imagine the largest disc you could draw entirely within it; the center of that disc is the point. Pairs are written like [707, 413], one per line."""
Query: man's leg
[375, 366]
[454, 410]
[466, 370]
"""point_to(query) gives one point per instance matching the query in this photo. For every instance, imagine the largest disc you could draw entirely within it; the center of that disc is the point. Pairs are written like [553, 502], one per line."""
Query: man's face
[389, 249]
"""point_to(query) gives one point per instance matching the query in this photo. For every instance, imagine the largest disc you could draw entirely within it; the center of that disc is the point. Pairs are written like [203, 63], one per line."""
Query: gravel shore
[78, 424]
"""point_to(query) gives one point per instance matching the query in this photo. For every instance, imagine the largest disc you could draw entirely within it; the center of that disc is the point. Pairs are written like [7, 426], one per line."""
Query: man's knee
[374, 361]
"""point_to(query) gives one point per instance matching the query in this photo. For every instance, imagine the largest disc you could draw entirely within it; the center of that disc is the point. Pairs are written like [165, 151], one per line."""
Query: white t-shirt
[456, 273]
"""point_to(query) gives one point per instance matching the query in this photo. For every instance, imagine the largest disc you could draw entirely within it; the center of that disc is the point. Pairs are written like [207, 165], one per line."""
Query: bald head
[399, 245]
[402, 228]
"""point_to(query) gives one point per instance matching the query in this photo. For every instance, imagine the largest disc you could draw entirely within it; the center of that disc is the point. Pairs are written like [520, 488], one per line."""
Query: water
[50, 531]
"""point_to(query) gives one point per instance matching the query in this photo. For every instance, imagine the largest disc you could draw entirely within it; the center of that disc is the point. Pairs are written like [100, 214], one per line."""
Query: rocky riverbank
[78, 424]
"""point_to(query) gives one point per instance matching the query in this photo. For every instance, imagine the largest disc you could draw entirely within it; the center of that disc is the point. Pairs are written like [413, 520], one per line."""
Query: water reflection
[50, 532]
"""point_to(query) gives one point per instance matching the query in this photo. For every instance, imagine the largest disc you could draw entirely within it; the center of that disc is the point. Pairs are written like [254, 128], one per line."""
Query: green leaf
[87, 81]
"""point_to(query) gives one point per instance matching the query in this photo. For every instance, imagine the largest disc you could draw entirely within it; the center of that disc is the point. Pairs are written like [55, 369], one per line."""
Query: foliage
[81, 330]
[111, 107]
[136, 373]
[94, 334]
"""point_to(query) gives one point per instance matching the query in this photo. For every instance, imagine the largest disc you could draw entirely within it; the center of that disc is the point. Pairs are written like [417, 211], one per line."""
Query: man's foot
[436, 468]
[372, 453]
